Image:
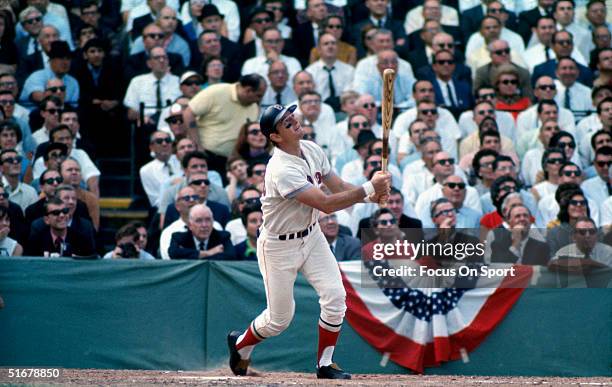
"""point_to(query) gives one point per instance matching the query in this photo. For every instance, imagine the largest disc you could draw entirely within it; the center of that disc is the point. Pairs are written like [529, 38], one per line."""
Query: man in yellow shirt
[214, 116]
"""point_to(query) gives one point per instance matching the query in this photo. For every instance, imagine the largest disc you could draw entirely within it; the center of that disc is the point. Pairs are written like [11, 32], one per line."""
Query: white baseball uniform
[280, 260]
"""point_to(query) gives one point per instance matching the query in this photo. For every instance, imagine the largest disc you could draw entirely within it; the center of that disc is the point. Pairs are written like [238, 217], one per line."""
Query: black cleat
[238, 365]
[332, 371]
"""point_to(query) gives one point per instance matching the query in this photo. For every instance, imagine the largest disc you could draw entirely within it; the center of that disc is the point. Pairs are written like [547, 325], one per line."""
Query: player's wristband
[368, 187]
[367, 200]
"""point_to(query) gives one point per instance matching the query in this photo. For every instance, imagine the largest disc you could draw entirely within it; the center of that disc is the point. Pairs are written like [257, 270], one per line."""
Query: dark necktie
[331, 247]
[170, 171]
[609, 188]
[330, 80]
[201, 246]
[380, 23]
[279, 101]
[546, 53]
[567, 102]
[36, 46]
[59, 244]
[158, 102]
[450, 95]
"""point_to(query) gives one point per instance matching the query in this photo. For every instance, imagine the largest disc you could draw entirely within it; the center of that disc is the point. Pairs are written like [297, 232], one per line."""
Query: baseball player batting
[291, 240]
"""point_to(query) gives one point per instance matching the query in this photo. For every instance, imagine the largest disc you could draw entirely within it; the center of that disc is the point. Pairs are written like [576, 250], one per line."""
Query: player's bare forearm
[336, 184]
[316, 198]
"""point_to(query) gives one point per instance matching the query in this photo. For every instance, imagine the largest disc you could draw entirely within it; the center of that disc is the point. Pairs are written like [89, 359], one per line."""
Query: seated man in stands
[71, 173]
[344, 247]
[8, 246]
[518, 243]
[127, 245]
[201, 240]
[252, 218]
[55, 238]
[164, 166]
[19, 192]
[585, 246]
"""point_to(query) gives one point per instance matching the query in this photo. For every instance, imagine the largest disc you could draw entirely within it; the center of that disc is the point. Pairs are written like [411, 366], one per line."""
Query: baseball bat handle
[387, 117]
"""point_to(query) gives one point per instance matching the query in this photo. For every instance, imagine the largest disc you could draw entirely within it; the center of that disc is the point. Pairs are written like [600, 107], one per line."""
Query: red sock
[246, 339]
[327, 339]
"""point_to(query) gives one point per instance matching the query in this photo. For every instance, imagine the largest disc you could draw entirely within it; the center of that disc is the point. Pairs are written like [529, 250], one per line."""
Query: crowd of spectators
[503, 119]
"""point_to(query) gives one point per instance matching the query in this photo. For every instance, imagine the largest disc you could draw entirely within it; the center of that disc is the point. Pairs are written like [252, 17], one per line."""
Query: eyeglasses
[154, 36]
[363, 125]
[486, 165]
[450, 161]
[57, 155]
[445, 61]
[311, 102]
[51, 180]
[53, 111]
[452, 185]
[174, 120]
[191, 83]
[579, 203]
[483, 112]
[570, 173]
[377, 151]
[487, 96]
[496, 10]
[507, 188]
[586, 231]
[64, 211]
[446, 45]
[55, 89]
[273, 8]
[309, 136]
[386, 222]
[503, 51]
[4, 195]
[449, 212]
[273, 41]
[12, 160]
[547, 87]
[200, 182]
[259, 172]
[251, 201]
[33, 20]
[160, 57]
[7, 102]
[564, 42]
[375, 164]
[509, 82]
[428, 112]
[254, 132]
[368, 105]
[563, 144]
[603, 164]
[160, 141]
[329, 218]
[554, 161]
[334, 26]
[261, 20]
[190, 198]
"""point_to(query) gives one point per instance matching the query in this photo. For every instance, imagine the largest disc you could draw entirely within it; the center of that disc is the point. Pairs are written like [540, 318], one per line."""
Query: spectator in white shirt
[19, 193]
[604, 111]
[599, 188]
[153, 89]
[50, 108]
[279, 92]
[273, 44]
[496, 8]
[249, 195]
[564, 15]
[310, 112]
[331, 76]
[541, 51]
[302, 82]
[185, 198]
[505, 121]
[572, 95]
[591, 123]
[164, 166]
[531, 160]
[431, 9]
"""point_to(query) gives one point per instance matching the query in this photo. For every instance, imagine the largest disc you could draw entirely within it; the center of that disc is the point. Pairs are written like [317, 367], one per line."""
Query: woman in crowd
[8, 246]
[251, 144]
[509, 95]
[500, 189]
[551, 163]
[572, 205]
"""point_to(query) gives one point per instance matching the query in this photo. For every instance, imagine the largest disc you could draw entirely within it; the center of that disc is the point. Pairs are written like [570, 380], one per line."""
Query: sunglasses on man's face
[262, 20]
[12, 160]
[554, 161]
[259, 172]
[603, 164]
[369, 105]
[428, 112]
[362, 125]
[52, 180]
[175, 120]
[503, 51]
[251, 201]
[154, 36]
[547, 87]
[452, 185]
[563, 144]
[53, 111]
[309, 136]
[64, 211]
[159, 141]
[586, 231]
[570, 173]
[386, 222]
[190, 198]
[57, 156]
[449, 161]
[509, 82]
[578, 203]
[55, 89]
[449, 212]
[33, 20]
[200, 182]
[4, 195]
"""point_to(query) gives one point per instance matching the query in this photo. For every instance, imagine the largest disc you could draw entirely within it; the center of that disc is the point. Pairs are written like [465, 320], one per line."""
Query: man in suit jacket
[379, 18]
[519, 243]
[32, 23]
[343, 247]
[38, 59]
[53, 237]
[201, 241]
[444, 41]
[137, 64]
[304, 35]
[19, 227]
[420, 43]
[529, 19]
[212, 44]
[454, 94]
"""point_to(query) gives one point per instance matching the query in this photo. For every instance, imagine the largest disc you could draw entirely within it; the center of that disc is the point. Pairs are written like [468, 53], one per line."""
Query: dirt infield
[224, 377]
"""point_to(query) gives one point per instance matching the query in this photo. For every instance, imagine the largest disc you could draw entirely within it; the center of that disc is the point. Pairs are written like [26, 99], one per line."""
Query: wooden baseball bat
[387, 117]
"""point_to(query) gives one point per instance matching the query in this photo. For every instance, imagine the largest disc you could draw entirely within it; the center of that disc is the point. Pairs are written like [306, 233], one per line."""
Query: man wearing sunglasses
[573, 257]
[291, 239]
[164, 166]
[55, 238]
[20, 193]
[185, 198]
[599, 187]
[249, 195]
